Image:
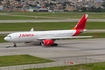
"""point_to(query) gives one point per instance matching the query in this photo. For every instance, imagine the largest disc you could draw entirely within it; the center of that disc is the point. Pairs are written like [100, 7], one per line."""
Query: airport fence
[58, 62]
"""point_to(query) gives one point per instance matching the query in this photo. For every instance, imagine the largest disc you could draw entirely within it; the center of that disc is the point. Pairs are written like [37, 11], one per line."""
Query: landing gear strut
[14, 44]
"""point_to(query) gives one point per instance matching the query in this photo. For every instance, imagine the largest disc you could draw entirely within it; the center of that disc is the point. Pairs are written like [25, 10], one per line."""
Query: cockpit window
[8, 36]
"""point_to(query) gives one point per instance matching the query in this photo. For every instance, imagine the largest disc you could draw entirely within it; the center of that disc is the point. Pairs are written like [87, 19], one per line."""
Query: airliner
[48, 38]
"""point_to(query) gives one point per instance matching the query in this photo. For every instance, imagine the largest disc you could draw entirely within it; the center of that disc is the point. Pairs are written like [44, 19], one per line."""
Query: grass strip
[92, 15]
[95, 35]
[47, 26]
[91, 66]
[20, 60]
[9, 17]
[2, 38]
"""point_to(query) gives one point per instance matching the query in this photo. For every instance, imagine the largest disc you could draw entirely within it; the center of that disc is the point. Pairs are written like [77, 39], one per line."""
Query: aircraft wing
[68, 37]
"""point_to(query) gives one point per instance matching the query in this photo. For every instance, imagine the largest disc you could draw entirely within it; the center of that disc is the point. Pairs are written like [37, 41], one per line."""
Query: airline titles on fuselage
[26, 35]
[32, 35]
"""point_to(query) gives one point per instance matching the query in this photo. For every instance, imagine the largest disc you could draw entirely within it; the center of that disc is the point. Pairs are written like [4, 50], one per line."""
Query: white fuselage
[35, 35]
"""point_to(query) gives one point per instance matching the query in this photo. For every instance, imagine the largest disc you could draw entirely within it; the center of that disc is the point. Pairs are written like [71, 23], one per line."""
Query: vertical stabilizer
[82, 23]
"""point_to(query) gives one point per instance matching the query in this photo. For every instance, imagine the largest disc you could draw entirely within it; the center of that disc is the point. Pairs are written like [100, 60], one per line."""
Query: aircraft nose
[7, 39]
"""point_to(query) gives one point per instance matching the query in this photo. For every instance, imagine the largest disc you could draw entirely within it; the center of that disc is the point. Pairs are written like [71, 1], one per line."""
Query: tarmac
[77, 51]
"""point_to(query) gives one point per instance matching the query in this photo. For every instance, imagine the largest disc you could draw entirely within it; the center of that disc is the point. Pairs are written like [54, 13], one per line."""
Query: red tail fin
[82, 23]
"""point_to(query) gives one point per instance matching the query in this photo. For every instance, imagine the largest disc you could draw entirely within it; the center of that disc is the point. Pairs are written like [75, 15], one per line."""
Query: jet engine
[48, 42]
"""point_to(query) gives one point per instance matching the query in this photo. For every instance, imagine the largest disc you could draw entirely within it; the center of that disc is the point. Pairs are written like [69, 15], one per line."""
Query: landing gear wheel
[55, 44]
[41, 43]
[15, 44]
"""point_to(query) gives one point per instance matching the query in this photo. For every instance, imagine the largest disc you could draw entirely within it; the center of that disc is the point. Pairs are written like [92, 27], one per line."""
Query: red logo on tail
[82, 23]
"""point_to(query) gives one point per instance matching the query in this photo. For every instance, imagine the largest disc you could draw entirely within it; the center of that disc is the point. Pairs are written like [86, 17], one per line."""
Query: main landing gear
[55, 44]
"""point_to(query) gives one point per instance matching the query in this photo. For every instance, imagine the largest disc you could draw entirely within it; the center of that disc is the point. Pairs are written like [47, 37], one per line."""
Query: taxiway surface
[67, 50]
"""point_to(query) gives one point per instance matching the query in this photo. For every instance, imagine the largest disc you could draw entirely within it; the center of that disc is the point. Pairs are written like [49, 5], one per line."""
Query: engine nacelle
[47, 42]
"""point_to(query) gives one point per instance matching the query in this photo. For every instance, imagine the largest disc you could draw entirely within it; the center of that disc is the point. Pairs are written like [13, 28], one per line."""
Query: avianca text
[26, 35]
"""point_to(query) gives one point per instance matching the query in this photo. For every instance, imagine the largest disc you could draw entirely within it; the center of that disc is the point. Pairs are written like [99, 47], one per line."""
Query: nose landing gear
[14, 44]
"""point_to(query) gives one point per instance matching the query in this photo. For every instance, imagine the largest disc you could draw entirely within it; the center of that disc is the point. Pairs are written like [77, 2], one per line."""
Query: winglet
[82, 23]
[32, 29]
